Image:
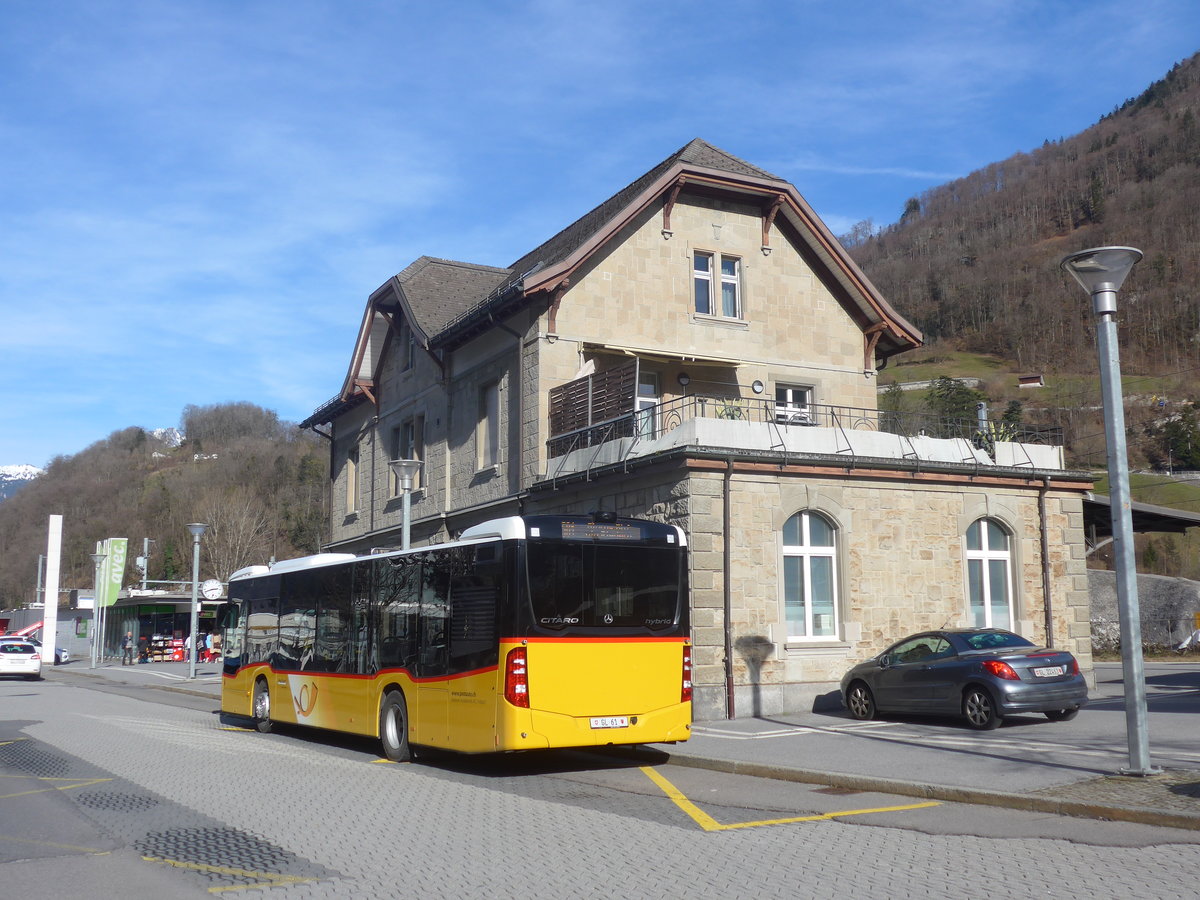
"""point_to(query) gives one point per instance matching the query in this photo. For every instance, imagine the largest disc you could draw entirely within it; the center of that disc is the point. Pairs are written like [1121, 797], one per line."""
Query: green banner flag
[112, 573]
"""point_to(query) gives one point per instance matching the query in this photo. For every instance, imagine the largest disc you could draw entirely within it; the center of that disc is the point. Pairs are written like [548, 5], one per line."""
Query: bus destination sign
[600, 531]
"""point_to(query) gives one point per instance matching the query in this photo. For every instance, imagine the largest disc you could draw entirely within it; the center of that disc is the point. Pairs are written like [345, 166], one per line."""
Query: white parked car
[20, 658]
[61, 654]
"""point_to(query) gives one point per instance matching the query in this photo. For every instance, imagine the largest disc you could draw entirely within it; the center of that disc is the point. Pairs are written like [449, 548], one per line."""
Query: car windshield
[995, 640]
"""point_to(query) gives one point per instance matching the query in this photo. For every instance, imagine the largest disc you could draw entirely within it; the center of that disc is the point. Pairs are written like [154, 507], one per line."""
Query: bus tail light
[516, 678]
[685, 695]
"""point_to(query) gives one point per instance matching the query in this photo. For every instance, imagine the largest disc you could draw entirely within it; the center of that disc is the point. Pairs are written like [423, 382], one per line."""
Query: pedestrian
[187, 649]
[127, 649]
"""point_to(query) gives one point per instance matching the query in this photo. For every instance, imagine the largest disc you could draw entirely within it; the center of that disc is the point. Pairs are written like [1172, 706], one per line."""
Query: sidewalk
[1065, 768]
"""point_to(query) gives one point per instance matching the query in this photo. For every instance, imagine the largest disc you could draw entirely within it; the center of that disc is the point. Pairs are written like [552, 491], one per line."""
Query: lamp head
[197, 529]
[406, 470]
[1101, 268]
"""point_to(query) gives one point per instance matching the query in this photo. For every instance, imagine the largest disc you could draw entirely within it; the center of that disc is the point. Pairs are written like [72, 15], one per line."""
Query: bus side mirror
[224, 615]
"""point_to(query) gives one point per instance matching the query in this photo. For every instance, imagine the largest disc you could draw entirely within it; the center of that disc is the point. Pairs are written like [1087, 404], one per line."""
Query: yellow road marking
[68, 785]
[16, 840]
[265, 879]
[708, 823]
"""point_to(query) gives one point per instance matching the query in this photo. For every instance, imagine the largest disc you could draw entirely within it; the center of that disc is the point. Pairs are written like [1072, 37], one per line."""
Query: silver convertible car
[982, 674]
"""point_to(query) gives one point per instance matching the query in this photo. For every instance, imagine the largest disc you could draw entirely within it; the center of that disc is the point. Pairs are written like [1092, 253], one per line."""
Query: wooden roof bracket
[365, 387]
[768, 221]
[669, 206]
[870, 340]
[556, 296]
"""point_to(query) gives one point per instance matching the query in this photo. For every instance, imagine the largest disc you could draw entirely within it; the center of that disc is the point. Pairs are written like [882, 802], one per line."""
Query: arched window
[989, 575]
[810, 576]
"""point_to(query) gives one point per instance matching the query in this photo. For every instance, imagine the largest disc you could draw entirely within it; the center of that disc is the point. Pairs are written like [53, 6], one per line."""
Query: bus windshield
[607, 586]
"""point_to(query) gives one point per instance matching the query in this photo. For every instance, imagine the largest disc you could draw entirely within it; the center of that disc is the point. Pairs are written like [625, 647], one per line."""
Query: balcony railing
[655, 422]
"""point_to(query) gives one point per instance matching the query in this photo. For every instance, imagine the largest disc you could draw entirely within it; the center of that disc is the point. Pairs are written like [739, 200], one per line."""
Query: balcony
[814, 433]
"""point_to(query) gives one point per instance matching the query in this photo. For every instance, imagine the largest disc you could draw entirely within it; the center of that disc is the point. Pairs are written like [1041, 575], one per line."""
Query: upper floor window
[352, 480]
[716, 282]
[810, 576]
[989, 575]
[792, 404]
[487, 429]
[408, 347]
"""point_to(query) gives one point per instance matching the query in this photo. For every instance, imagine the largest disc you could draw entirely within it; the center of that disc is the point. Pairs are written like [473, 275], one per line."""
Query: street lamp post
[1101, 271]
[98, 559]
[197, 529]
[406, 470]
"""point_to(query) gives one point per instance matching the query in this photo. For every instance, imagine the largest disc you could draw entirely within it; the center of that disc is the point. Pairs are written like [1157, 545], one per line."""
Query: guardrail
[655, 421]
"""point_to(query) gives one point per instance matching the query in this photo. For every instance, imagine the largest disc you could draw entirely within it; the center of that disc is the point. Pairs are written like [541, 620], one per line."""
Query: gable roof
[701, 166]
[448, 302]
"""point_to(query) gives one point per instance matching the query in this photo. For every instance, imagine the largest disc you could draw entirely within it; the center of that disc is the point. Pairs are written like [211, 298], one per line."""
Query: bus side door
[430, 723]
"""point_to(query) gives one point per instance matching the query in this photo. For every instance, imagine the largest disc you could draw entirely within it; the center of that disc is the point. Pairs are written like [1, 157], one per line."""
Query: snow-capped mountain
[172, 437]
[13, 478]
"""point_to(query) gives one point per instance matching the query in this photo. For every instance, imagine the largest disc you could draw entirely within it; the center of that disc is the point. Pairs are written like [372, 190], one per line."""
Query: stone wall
[1167, 606]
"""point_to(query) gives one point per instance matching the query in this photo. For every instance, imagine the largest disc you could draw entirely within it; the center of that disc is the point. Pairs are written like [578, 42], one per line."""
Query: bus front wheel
[261, 710]
[393, 727]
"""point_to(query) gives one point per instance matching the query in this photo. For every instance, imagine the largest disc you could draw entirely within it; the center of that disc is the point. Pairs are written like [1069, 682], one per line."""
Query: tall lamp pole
[406, 470]
[1101, 271]
[98, 559]
[197, 529]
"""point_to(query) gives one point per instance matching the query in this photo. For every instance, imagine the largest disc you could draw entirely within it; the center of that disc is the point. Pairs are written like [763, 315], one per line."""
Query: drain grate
[112, 801]
[228, 857]
[26, 756]
[217, 847]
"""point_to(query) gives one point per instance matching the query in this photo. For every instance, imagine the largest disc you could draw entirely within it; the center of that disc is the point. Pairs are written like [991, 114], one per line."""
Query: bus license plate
[1047, 671]
[610, 721]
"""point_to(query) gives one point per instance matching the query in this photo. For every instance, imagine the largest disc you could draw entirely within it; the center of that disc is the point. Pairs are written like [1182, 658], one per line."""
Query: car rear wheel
[860, 701]
[1062, 715]
[980, 710]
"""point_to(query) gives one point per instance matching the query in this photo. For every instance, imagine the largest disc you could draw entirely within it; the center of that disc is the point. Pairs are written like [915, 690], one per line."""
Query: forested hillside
[974, 263]
[257, 482]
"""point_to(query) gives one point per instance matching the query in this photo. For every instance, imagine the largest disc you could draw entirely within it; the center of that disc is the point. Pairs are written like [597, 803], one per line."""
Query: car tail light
[516, 677]
[1001, 669]
[1073, 668]
[685, 695]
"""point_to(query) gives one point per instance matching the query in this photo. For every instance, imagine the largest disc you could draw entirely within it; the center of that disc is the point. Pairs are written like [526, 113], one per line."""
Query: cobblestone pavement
[340, 823]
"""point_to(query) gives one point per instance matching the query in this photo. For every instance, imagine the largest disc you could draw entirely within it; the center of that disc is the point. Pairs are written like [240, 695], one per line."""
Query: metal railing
[655, 421]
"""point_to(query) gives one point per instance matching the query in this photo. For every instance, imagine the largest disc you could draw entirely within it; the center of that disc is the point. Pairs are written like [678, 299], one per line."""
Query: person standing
[127, 649]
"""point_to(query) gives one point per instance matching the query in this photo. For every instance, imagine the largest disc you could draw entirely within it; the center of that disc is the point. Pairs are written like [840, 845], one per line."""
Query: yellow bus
[527, 632]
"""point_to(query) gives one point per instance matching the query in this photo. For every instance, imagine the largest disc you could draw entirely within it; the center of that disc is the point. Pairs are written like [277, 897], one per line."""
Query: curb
[976, 796]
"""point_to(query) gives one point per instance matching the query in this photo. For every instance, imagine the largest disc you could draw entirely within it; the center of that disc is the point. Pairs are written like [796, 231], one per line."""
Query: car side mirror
[884, 661]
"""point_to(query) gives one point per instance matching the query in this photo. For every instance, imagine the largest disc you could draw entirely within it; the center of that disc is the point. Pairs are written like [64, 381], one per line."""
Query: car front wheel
[980, 710]
[860, 701]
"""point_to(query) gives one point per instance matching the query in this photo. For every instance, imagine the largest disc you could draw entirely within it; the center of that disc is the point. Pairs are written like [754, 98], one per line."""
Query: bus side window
[333, 620]
[397, 604]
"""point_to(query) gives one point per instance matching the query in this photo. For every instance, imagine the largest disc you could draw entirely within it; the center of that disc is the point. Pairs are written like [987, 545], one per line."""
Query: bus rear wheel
[261, 710]
[393, 727]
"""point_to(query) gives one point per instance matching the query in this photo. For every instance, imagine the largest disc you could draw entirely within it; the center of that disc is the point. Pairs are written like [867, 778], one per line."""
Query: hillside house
[700, 349]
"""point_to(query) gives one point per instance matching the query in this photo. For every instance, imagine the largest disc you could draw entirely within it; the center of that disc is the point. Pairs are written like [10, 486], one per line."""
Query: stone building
[700, 349]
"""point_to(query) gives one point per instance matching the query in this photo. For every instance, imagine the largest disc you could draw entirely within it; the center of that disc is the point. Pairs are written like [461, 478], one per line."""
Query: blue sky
[197, 197]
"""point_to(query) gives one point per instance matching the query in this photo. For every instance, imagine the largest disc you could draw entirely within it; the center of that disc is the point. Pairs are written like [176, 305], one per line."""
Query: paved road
[125, 791]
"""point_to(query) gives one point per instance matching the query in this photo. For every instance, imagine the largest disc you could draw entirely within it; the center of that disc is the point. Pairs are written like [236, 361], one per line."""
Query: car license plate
[610, 721]
[1048, 671]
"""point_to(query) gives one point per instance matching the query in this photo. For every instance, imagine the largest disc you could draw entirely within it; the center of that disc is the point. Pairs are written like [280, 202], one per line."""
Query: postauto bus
[527, 632]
